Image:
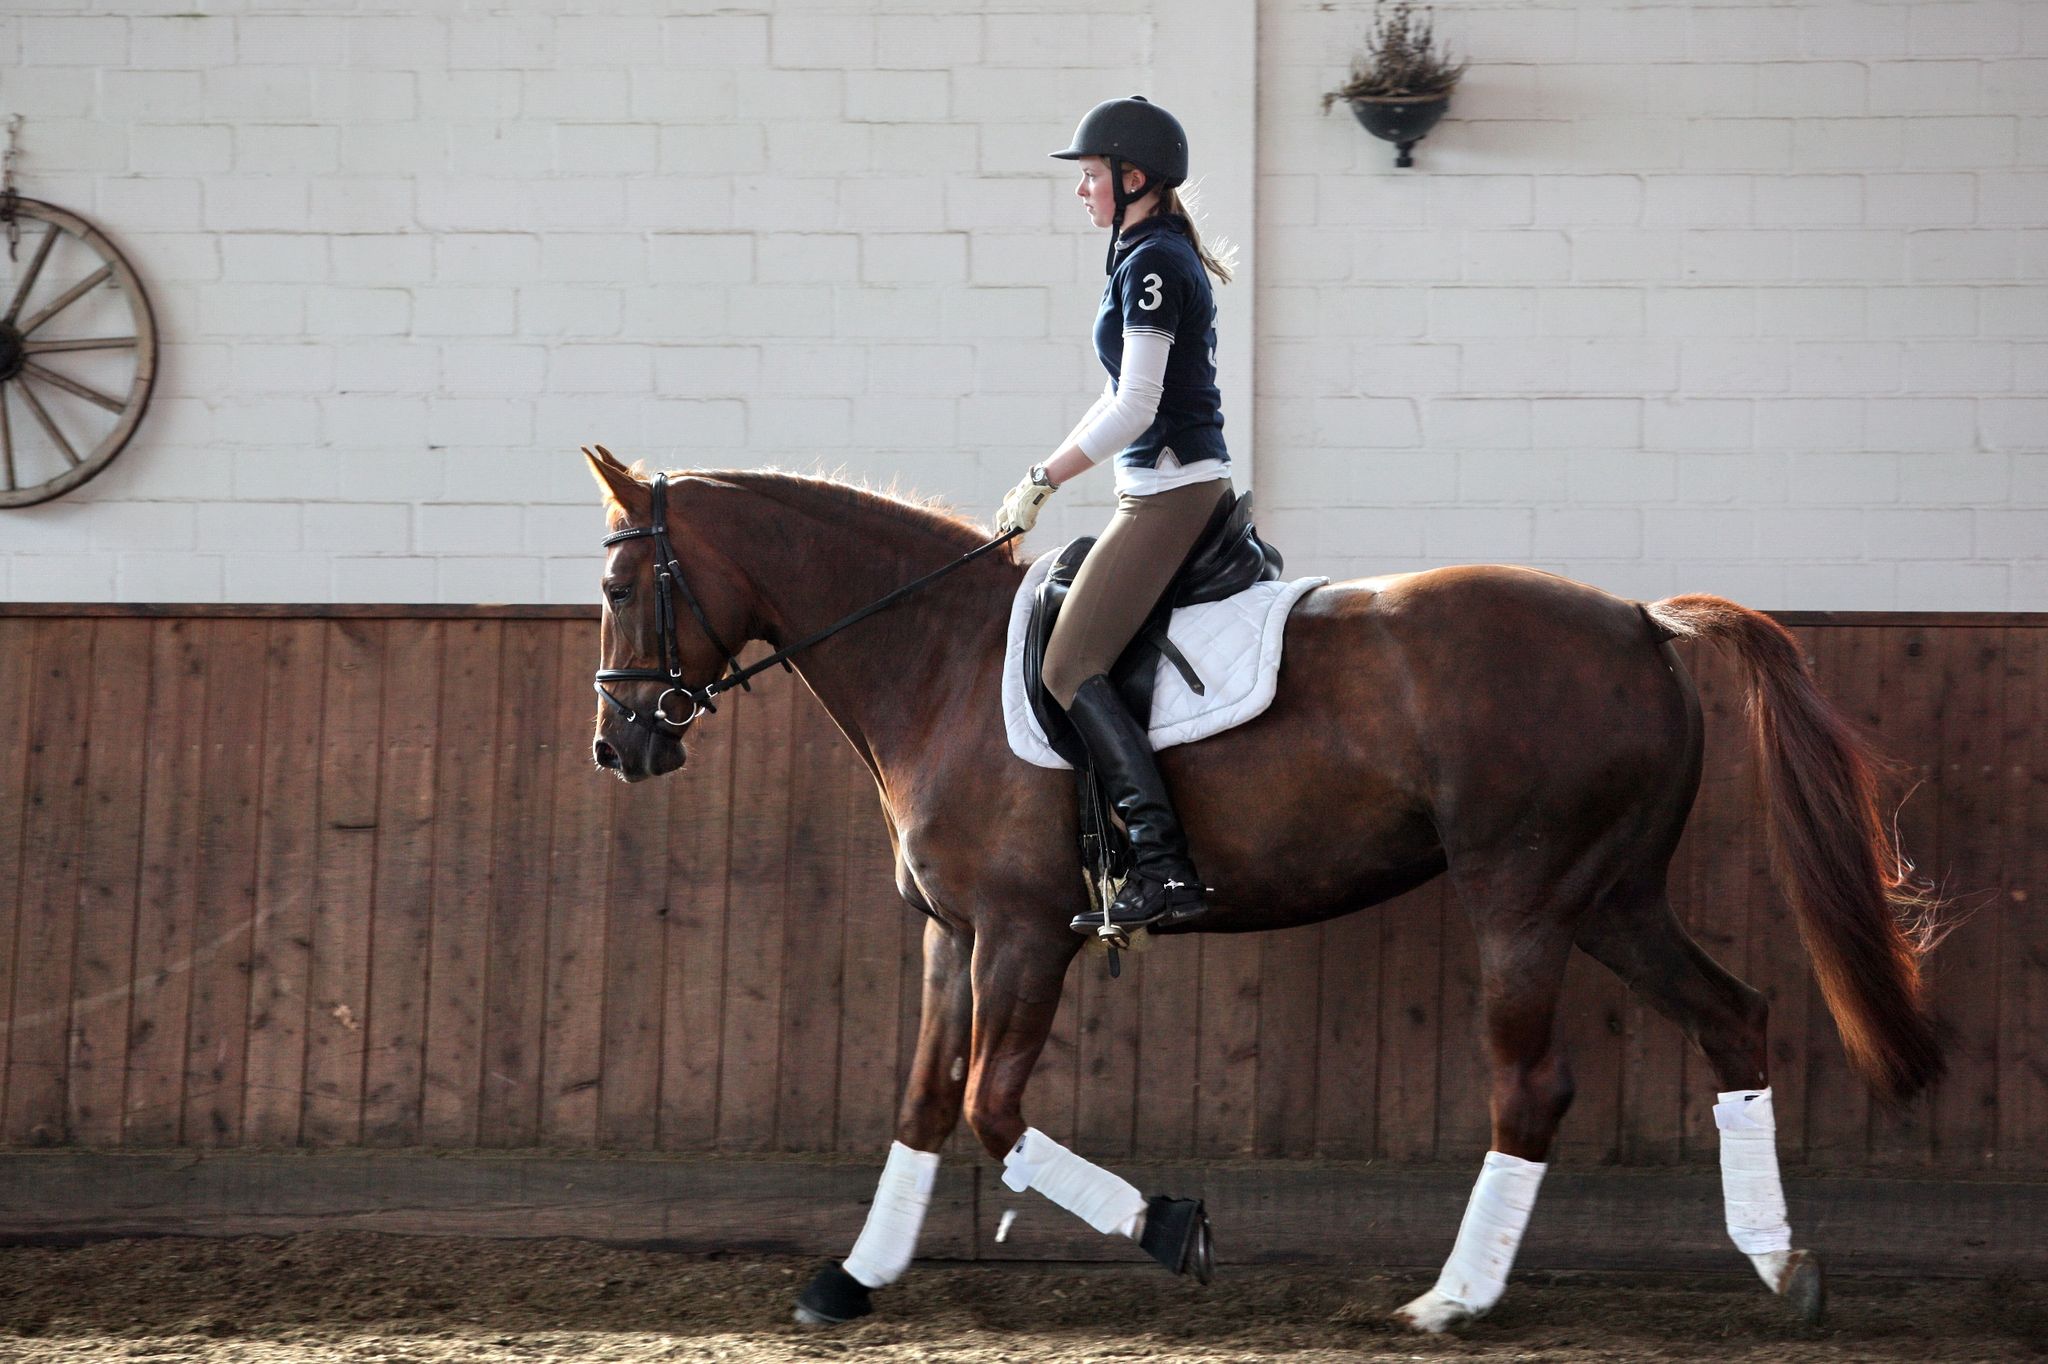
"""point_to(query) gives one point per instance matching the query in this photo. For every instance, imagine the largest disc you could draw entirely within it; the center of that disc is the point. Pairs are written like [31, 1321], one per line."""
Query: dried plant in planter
[1401, 58]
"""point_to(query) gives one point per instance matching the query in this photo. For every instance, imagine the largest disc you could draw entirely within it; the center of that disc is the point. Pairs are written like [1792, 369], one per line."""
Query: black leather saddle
[1227, 558]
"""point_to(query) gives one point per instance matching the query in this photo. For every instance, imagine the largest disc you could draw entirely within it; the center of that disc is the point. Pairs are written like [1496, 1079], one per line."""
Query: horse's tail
[1864, 925]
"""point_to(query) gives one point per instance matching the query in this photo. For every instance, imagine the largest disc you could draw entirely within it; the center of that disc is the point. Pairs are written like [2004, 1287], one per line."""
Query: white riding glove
[1020, 506]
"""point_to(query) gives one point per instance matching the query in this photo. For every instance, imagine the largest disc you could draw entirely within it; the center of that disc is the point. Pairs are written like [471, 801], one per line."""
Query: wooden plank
[339, 995]
[694, 933]
[1167, 978]
[2023, 940]
[1347, 1036]
[104, 962]
[1412, 1032]
[1837, 1130]
[516, 944]
[578, 876]
[17, 673]
[629, 1102]
[1908, 717]
[875, 916]
[287, 847]
[814, 934]
[1290, 1005]
[225, 890]
[1964, 973]
[401, 932]
[465, 783]
[153, 1103]
[1230, 1001]
[756, 892]
[52, 851]
[1464, 1078]
[1107, 1077]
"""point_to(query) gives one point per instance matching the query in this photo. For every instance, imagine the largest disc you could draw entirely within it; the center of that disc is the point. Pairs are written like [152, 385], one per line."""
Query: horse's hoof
[1804, 1288]
[1177, 1235]
[833, 1298]
[1434, 1313]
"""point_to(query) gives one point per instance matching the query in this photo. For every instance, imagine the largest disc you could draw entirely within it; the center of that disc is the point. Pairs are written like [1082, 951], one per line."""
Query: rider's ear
[620, 487]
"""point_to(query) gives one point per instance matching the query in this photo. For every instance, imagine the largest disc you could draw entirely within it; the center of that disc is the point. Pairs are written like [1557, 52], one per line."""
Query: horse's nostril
[606, 755]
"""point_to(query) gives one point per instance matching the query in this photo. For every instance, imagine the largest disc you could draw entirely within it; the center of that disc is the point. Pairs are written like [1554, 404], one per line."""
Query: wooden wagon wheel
[77, 352]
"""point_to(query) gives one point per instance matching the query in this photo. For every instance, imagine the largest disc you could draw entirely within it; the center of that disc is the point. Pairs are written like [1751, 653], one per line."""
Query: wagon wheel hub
[12, 352]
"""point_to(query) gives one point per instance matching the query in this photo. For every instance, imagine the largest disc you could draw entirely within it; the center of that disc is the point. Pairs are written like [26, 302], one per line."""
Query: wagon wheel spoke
[6, 440]
[35, 405]
[35, 267]
[72, 386]
[68, 297]
[79, 343]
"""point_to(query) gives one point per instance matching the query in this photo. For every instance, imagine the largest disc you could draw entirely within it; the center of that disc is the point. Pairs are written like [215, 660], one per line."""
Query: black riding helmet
[1133, 132]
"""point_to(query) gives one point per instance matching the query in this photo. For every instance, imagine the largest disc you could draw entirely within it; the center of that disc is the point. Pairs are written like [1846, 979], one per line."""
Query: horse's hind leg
[931, 1109]
[1633, 932]
[1524, 942]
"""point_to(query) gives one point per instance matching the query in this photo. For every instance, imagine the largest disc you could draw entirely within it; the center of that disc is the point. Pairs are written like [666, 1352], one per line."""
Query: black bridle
[668, 578]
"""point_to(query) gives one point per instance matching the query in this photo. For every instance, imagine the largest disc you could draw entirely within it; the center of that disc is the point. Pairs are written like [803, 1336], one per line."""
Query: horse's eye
[617, 593]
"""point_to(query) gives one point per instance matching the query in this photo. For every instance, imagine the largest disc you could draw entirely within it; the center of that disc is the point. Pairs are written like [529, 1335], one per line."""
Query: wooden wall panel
[105, 958]
[287, 843]
[350, 878]
[338, 996]
[402, 917]
[52, 852]
[153, 1101]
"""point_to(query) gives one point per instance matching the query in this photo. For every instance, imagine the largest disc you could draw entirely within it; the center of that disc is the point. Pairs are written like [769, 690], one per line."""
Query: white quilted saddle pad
[1233, 644]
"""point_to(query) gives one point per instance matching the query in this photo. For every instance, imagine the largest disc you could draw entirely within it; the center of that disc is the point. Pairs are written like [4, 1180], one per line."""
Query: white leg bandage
[1749, 1180]
[1106, 1202]
[890, 1237]
[1477, 1273]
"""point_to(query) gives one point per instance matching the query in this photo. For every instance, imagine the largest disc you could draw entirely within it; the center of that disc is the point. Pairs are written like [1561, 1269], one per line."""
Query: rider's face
[1094, 189]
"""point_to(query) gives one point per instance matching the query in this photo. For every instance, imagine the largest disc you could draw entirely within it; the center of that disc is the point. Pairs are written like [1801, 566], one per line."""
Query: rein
[668, 571]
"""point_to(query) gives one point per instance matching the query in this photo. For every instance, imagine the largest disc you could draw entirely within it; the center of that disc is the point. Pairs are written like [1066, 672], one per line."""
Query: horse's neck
[885, 679]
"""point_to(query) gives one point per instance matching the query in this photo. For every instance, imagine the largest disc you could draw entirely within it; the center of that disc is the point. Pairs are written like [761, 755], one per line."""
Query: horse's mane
[926, 515]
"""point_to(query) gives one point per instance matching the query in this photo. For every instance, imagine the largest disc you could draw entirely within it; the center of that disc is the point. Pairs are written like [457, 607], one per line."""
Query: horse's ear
[619, 486]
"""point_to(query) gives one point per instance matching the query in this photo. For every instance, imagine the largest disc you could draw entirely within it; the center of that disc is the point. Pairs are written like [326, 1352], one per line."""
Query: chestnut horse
[1535, 739]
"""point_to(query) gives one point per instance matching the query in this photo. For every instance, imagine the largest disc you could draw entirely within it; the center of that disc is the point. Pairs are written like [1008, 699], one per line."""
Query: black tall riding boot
[1163, 887]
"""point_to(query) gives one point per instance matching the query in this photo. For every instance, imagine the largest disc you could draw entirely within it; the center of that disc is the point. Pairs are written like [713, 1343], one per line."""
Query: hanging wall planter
[1401, 83]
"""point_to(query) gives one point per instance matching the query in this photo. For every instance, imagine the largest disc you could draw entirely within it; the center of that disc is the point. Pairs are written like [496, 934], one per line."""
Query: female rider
[1162, 418]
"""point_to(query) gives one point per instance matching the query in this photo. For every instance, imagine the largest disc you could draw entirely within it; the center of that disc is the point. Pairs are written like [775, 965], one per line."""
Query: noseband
[668, 580]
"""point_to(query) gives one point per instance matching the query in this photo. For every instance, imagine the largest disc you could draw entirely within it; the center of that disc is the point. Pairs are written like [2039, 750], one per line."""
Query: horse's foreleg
[1638, 938]
[1522, 961]
[1016, 994]
[931, 1109]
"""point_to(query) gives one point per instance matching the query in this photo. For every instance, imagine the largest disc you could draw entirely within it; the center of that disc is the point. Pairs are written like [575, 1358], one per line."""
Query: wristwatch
[1041, 478]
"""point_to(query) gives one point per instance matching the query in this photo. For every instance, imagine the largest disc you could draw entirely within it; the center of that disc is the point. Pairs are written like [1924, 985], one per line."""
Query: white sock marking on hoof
[1770, 1267]
[1435, 1313]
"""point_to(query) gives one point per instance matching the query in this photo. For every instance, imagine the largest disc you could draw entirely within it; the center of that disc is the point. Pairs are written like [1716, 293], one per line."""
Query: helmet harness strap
[1124, 199]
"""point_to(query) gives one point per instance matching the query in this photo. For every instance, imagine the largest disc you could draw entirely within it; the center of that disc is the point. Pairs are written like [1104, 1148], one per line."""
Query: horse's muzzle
[653, 756]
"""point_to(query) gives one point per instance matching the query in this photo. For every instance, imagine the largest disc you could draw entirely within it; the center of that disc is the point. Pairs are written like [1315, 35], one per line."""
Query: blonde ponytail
[1222, 260]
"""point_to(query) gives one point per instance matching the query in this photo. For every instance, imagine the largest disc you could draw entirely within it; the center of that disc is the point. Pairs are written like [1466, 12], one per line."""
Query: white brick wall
[1740, 298]
[1749, 298]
